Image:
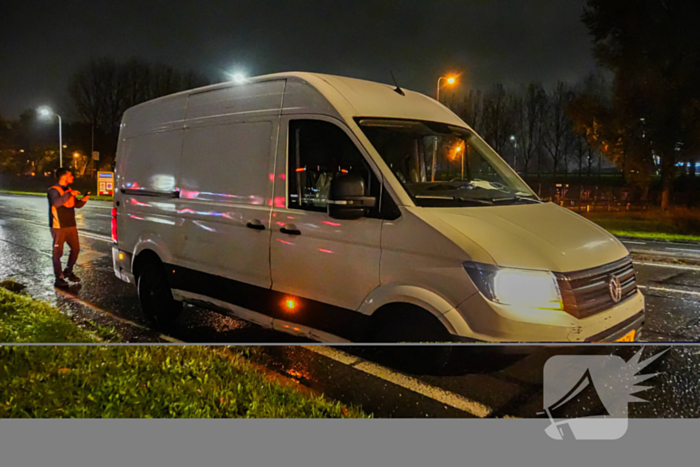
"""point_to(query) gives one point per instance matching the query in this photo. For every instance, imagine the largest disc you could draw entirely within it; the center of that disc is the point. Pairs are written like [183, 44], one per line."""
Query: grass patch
[146, 382]
[100, 381]
[677, 224]
[25, 320]
[655, 236]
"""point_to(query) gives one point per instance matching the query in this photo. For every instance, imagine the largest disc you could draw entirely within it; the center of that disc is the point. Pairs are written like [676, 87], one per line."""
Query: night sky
[43, 42]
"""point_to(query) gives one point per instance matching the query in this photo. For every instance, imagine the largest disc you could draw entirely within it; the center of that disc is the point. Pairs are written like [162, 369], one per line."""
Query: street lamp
[449, 79]
[514, 141]
[47, 112]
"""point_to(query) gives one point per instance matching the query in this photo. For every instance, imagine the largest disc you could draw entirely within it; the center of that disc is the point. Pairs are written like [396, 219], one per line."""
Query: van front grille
[587, 292]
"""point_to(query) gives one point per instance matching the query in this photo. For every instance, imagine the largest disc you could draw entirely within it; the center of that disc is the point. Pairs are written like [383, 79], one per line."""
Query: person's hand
[85, 198]
[75, 193]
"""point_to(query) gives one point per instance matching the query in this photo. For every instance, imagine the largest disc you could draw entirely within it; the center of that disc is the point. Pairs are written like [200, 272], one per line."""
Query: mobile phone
[87, 194]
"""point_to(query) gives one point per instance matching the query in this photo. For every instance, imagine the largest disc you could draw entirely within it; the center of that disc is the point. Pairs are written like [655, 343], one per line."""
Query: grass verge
[676, 225]
[101, 381]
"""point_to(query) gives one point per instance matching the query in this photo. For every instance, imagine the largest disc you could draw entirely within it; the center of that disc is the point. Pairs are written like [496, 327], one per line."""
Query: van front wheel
[410, 324]
[155, 296]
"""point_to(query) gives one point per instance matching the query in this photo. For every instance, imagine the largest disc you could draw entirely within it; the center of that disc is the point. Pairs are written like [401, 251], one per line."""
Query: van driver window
[319, 152]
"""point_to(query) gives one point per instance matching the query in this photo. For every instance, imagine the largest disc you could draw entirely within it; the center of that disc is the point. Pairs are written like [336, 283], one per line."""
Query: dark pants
[60, 236]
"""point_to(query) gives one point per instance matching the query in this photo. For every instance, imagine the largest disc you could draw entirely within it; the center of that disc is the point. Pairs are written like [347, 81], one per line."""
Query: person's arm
[79, 203]
[56, 200]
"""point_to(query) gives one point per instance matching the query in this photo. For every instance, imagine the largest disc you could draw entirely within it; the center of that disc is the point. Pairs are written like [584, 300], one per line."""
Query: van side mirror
[347, 199]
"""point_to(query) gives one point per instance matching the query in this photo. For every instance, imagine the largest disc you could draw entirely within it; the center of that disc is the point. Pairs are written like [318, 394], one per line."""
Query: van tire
[411, 324]
[155, 295]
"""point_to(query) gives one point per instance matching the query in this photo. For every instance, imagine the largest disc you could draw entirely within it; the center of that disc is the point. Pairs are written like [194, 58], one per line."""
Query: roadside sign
[105, 183]
[95, 155]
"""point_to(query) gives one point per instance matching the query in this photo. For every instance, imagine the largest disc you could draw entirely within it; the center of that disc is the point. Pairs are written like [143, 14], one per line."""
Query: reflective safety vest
[54, 211]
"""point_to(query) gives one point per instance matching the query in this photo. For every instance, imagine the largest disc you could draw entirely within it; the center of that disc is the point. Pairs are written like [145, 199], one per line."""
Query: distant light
[121, 256]
[451, 80]
[239, 78]
[44, 111]
[65, 146]
[290, 304]
[512, 137]
[21, 150]
[76, 154]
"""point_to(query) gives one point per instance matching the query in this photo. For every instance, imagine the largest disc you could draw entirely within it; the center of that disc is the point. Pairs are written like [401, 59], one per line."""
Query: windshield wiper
[515, 199]
[457, 198]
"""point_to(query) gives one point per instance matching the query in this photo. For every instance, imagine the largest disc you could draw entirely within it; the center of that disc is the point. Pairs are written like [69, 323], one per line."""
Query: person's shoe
[71, 276]
[61, 282]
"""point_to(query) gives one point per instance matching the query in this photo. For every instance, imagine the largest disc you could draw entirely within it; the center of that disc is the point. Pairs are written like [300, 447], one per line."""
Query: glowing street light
[239, 78]
[514, 142]
[47, 112]
[449, 79]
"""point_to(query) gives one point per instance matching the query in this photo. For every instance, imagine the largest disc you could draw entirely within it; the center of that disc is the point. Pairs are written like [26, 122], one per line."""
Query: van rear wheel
[409, 324]
[155, 295]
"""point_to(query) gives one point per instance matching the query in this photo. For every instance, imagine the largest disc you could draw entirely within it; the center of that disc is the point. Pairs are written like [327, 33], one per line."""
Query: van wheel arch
[405, 322]
[412, 315]
[142, 258]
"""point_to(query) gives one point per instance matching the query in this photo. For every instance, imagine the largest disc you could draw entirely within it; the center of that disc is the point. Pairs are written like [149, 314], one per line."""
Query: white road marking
[407, 382]
[634, 243]
[684, 249]
[667, 265]
[95, 236]
[664, 289]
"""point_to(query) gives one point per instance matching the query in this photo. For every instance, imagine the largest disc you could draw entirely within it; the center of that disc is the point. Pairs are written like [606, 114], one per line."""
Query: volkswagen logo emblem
[615, 289]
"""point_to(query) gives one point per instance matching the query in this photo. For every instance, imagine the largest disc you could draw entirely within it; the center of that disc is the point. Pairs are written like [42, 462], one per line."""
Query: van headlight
[516, 287]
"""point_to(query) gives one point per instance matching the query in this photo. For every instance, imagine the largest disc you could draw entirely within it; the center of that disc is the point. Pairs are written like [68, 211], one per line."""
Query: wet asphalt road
[504, 385]
[683, 251]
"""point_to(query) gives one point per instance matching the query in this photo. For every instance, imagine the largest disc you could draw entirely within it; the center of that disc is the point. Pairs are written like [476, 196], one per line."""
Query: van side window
[318, 152]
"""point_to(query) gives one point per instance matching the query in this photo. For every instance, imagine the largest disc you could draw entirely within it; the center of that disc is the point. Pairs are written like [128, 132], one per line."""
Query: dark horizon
[43, 43]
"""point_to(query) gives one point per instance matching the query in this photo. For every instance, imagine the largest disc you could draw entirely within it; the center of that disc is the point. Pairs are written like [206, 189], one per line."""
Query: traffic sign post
[105, 183]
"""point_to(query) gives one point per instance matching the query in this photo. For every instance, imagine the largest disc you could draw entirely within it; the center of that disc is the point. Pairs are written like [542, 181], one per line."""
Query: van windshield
[441, 165]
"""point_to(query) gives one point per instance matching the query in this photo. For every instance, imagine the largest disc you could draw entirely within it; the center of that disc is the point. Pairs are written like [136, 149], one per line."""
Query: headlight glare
[516, 287]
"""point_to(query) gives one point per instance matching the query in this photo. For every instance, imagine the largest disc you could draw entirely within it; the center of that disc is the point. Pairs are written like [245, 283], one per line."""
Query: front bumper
[490, 322]
[634, 323]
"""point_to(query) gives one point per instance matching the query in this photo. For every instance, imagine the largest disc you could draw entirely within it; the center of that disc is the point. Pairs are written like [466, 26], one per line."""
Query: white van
[345, 210]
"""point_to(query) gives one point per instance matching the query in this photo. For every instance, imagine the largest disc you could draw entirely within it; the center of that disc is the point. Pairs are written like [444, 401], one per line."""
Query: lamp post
[514, 141]
[449, 79]
[46, 112]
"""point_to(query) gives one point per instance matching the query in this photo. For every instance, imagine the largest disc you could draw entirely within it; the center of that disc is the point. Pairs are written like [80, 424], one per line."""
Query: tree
[557, 127]
[653, 48]
[103, 89]
[471, 110]
[529, 110]
[498, 122]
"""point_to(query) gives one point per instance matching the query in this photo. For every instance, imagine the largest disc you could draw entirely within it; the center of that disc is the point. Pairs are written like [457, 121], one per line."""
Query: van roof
[353, 97]
[362, 98]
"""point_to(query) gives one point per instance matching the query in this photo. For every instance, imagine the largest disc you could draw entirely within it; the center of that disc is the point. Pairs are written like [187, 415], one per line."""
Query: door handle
[290, 229]
[255, 224]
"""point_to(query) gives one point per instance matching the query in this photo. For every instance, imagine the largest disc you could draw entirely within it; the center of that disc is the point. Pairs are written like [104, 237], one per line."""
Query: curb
[660, 257]
[658, 240]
